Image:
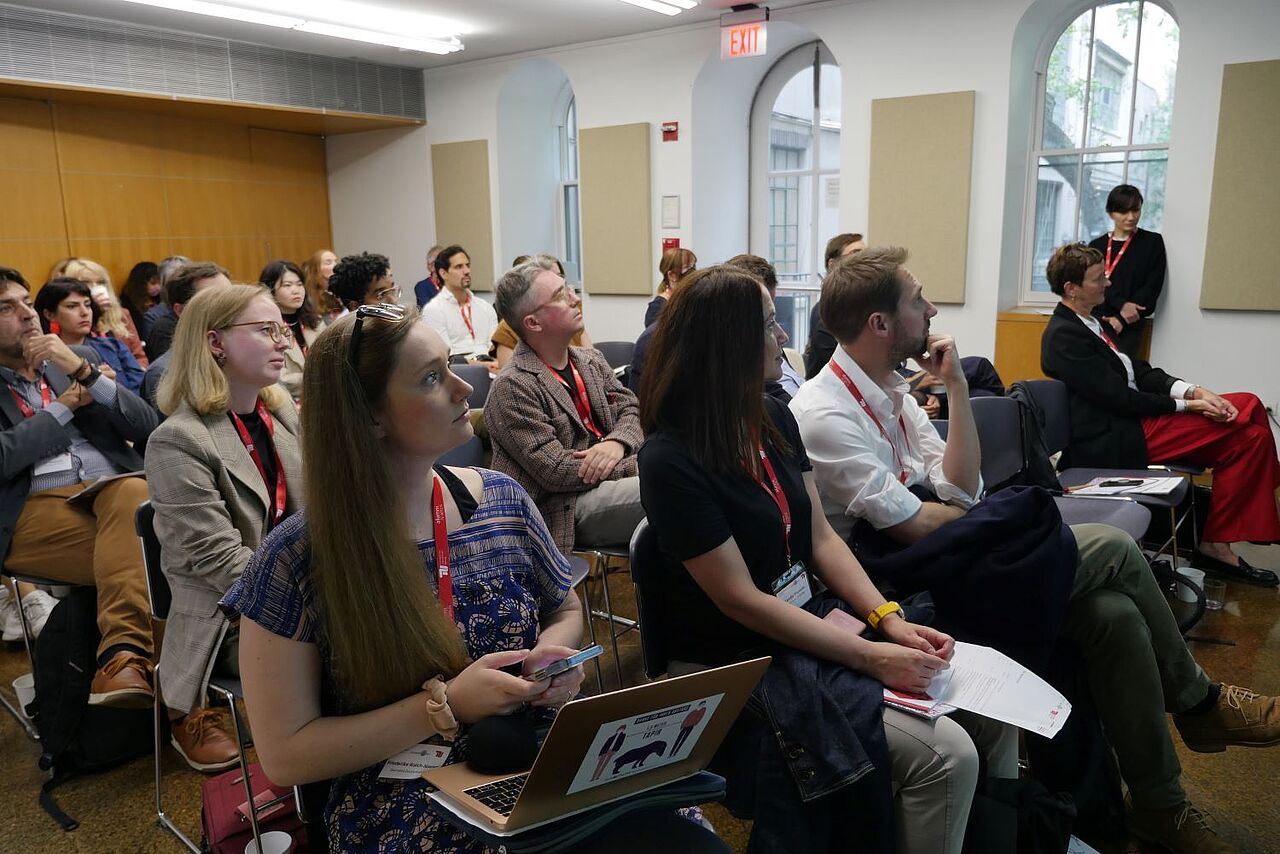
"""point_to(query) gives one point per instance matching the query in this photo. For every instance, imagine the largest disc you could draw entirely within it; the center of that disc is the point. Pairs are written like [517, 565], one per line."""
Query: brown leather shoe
[202, 739]
[123, 682]
[1241, 719]
[1182, 829]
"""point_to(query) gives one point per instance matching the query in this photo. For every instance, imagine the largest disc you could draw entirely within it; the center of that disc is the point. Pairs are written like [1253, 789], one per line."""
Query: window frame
[1027, 258]
[569, 176]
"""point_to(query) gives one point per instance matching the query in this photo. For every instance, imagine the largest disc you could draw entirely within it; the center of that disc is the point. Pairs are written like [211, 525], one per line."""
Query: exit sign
[742, 40]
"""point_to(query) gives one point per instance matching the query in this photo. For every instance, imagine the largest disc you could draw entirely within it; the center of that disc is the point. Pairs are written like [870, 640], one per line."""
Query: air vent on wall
[53, 47]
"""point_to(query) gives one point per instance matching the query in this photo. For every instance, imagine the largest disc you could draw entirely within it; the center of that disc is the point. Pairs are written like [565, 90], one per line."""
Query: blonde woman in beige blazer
[224, 470]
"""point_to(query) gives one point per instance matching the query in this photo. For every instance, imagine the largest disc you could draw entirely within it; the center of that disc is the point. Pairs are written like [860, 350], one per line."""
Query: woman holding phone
[729, 492]
[344, 670]
[67, 309]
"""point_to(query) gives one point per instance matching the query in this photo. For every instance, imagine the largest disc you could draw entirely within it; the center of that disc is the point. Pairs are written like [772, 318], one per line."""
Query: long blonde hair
[674, 259]
[193, 377]
[317, 289]
[385, 630]
[113, 320]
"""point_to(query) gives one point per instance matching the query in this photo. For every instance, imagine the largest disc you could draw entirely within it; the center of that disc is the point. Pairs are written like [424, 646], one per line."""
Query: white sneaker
[10, 622]
[37, 605]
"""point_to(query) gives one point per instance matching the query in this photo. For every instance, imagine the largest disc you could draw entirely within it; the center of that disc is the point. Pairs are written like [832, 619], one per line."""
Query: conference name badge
[792, 586]
[409, 764]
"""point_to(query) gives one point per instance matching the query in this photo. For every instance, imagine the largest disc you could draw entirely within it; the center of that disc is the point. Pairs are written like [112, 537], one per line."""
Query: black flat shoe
[1244, 572]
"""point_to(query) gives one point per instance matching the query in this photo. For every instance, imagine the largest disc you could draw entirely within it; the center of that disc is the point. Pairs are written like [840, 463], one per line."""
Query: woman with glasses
[729, 491]
[222, 469]
[288, 287]
[674, 266]
[67, 309]
[355, 646]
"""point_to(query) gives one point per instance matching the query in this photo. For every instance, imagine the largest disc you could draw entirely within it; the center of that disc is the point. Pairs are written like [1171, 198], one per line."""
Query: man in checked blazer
[561, 423]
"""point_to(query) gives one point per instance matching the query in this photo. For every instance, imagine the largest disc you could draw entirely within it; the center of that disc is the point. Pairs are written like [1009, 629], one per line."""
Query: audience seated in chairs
[504, 341]
[674, 265]
[465, 321]
[64, 426]
[141, 291]
[222, 470]
[1125, 413]
[873, 449]
[68, 310]
[364, 279]
[406, 656]
[727, 489]
[114, 321]
[317, 273]
[561, 423]
[182, 284]
[821, 342]
[285, 280]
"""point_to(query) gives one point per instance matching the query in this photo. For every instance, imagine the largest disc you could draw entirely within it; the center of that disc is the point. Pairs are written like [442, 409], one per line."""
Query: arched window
[795, 176]
[1105, 102]
[569, 219]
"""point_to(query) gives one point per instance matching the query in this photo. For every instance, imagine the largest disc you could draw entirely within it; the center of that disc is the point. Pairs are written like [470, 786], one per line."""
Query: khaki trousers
[96, 547]
[607, 514]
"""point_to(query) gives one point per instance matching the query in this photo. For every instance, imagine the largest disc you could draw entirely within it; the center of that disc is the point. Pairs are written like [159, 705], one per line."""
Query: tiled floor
[116, 809]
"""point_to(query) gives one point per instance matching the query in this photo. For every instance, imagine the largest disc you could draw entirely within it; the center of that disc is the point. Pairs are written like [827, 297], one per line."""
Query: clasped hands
[1212, 406]
[912, 658]
[598, 462]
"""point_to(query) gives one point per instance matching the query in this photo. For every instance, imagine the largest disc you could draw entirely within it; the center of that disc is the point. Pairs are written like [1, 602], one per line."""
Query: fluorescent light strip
[683, 4]
[250, 16]
[655, 6]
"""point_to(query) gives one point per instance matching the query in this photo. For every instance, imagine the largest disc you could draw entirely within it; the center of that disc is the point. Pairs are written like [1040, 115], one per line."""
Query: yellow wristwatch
[874, 618]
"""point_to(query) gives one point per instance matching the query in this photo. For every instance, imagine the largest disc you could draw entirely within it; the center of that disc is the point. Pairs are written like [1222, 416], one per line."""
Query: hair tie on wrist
[438, 711]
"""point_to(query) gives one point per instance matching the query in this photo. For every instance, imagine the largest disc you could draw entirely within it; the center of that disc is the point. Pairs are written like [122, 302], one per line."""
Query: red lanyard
[281, 491]
[444, 581]
[866, 407]
[1108, 341]
[774, 488]
[45, 395]
[464, 308]
[1108, 266]
[581, 402]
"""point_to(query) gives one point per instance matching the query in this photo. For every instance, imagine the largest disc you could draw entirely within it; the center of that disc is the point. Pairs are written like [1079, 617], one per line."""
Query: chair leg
[159, 720]
[244, 765]
[591, 629]
[18, 716]
[17, 713]
[602, 568]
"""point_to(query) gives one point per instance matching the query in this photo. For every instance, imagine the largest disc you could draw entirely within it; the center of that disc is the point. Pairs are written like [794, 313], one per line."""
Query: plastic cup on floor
[273, 842]
[1196, 577]
[25, 687]
[1215, 593]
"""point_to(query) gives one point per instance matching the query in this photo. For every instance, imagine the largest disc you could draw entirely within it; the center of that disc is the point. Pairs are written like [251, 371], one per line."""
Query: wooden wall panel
[617, 194]
[122, 186]
[921, 169]
[463, 214]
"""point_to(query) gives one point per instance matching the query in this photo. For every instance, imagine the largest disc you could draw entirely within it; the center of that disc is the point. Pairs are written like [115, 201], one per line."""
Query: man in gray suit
[562, 424]
[65, 424]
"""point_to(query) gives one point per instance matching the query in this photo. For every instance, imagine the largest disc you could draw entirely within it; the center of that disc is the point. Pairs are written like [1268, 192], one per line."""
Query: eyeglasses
[561, 295]
[382, 296]
[390, 312]
[278, 331]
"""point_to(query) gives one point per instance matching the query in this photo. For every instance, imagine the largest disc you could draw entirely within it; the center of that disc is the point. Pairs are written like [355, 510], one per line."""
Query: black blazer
[26, 441]
[1105, 430]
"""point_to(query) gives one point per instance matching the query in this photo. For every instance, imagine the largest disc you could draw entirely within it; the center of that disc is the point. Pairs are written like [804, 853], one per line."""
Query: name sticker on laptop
[409, 764]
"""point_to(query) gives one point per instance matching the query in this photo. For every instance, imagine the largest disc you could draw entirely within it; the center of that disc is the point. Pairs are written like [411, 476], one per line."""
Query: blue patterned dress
[507, 576]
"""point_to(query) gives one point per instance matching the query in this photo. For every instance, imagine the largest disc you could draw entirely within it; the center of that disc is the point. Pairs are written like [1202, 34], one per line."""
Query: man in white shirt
[869, 443]
[464, 321]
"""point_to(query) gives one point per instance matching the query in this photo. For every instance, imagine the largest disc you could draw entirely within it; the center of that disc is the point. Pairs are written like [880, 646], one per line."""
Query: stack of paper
[1116, 485]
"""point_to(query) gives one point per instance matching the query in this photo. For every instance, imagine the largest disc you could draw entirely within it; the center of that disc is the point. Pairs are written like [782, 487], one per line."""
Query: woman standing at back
[1134, 262]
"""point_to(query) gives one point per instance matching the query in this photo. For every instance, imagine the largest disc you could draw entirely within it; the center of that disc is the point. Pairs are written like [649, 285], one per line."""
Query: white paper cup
[273, 842]
[1196, 577]
[25, 687]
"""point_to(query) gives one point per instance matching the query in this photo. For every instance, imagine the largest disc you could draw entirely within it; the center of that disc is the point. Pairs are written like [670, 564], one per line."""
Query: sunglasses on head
[390, 312]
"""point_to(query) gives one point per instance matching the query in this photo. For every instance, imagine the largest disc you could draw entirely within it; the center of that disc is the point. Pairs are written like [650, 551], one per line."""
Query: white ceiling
[495, 27]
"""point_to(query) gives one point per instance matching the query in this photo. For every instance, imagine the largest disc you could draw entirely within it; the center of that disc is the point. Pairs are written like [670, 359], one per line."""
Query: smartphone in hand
[555, 668]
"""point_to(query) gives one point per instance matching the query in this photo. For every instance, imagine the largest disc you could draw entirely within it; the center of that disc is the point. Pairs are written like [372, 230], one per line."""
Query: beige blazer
[211, 513]
[294, 361]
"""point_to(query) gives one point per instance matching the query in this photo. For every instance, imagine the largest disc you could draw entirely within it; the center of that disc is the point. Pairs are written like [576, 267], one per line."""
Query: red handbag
[225, 816]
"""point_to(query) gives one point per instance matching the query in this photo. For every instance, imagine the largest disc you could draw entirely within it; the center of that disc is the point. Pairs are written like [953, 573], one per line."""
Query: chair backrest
[161, 598]
[1000, 436]
[941, 425]
[1051, 396]
[617, 353]
[470, 453]
[644, 575]
[479, 378]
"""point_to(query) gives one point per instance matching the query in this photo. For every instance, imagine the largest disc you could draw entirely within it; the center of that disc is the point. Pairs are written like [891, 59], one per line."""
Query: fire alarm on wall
[670, 131]
[670, 243]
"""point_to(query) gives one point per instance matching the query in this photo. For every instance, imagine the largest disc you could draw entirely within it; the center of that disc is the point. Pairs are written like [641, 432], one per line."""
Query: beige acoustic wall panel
[460, 171]
[617, 226]
[921, 156]
[1244, 205]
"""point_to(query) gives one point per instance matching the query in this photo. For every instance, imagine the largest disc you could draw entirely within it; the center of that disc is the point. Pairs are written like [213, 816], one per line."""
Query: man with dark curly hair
[364, 279]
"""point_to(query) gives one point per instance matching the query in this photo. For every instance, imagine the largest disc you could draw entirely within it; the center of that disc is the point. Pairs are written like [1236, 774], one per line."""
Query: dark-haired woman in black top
[726, 486]
[1135, 263]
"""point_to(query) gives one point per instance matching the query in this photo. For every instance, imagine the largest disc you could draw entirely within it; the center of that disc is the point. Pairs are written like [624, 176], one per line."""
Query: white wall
[380, 198]
[891, 49]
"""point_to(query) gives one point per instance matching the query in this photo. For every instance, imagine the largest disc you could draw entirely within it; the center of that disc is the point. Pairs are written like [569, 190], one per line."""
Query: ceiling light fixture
[436, 40]
[665, 7]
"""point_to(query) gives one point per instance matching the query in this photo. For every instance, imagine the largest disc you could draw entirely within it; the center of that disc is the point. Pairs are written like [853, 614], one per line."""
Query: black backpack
[76, 738]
